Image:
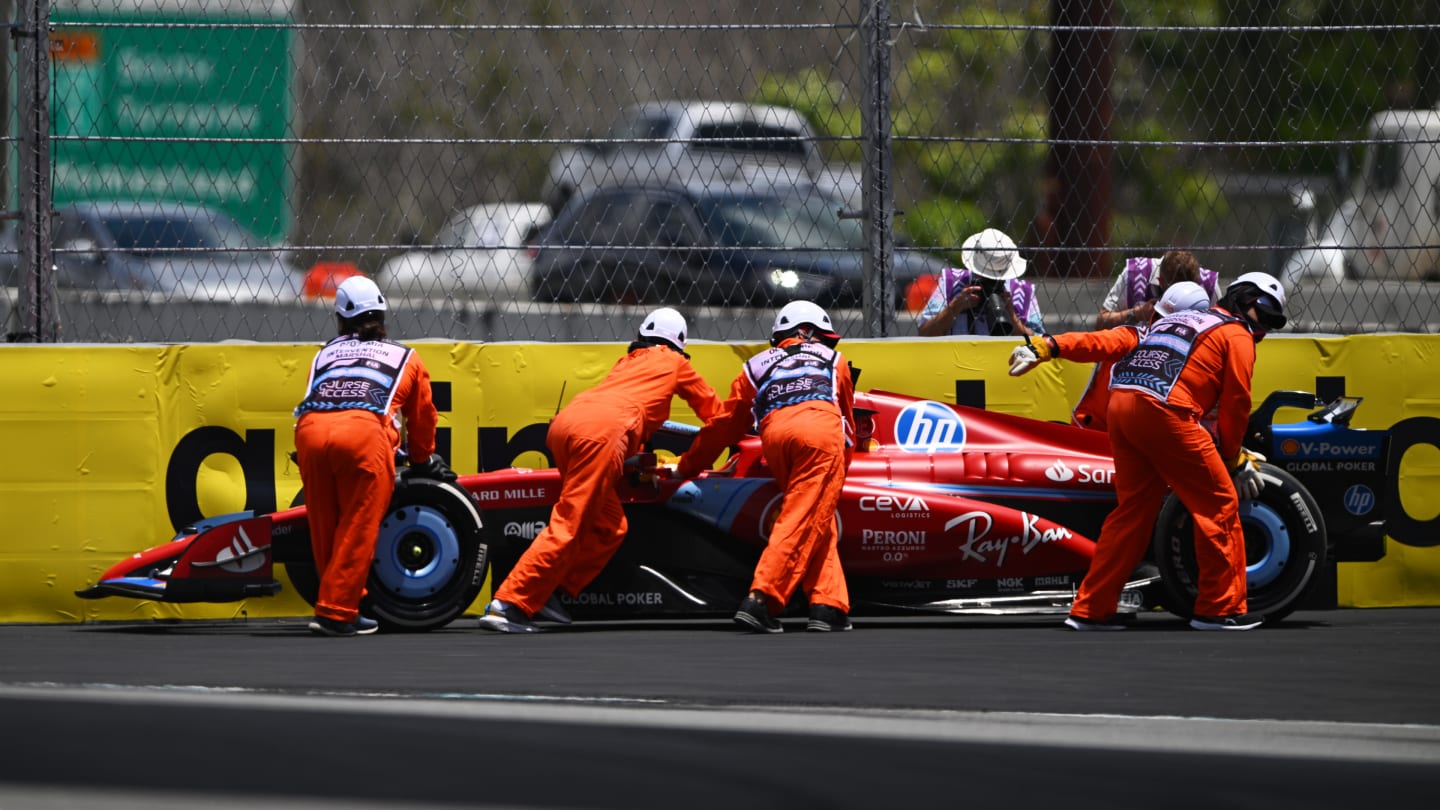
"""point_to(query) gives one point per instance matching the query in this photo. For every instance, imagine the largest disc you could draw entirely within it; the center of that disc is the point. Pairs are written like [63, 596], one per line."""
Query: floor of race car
[1328, 709]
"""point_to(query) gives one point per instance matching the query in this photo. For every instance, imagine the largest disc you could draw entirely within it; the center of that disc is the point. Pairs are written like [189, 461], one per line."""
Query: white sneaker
[503, 617]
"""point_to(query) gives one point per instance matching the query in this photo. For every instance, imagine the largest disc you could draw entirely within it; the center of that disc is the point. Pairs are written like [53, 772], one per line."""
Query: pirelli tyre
[1285, 548]
[430, 562]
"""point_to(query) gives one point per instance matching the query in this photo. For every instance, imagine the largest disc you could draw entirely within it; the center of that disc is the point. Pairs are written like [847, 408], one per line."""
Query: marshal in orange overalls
[347, 466]
[807, 445]
[1159, 444]
[590, 440]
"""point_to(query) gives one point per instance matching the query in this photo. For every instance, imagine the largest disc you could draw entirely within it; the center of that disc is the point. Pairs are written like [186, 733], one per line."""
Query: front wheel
[1285, 548]
[430, 561]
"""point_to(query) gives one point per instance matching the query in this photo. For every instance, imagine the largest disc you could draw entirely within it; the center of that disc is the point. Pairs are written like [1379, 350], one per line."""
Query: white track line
[1202, 735]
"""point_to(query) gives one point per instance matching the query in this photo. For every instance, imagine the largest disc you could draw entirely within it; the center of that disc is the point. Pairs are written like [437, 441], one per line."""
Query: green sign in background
[209, 109]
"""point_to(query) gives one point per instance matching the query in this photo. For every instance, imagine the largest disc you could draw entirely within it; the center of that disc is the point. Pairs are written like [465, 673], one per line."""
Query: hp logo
[1359, 500]
[929, 427]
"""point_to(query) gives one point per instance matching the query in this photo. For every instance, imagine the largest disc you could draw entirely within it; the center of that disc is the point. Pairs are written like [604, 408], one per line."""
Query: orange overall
[807, 446]
[347, 466]
[1102, 348]
[1159, 444]
[590, 440]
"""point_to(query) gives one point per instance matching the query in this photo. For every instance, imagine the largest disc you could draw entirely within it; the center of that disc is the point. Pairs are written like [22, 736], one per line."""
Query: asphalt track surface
[1327, 709]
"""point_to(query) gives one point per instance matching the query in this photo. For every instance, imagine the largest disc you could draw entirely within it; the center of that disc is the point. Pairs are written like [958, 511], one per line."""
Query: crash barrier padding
[113, 446]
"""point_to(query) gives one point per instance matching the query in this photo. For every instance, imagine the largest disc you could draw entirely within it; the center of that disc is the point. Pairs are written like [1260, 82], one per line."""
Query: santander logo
[1058, 472]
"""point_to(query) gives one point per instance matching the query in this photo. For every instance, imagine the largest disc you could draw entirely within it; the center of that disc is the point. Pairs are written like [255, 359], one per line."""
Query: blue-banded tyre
[430, 559]
[1285, 548]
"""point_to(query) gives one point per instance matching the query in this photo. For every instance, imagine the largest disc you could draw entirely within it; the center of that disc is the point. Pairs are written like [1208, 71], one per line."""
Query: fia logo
[929, 427]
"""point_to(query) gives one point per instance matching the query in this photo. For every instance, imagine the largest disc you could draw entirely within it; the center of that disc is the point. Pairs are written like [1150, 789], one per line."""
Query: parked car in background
[641, 244]
[480, 252]
[701, 143]
[184, 251]
[1387, 224]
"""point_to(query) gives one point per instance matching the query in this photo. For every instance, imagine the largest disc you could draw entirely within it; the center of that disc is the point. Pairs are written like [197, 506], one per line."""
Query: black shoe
[554, 611]
[503, 617]
[754, 616]
[1245, 621]
[364, 626]
[1085, 625]
[329, 627]
[827, 619]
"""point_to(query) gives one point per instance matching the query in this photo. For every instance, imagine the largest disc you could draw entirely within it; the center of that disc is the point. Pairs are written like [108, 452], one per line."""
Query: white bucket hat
[992, 254]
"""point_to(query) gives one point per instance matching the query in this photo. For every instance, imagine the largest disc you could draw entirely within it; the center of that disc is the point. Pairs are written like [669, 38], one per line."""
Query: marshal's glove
[433, 468]
[1032, 354]
[1246, 475]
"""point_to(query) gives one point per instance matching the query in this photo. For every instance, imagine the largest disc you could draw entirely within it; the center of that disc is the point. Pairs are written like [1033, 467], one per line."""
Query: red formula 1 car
[946, 509]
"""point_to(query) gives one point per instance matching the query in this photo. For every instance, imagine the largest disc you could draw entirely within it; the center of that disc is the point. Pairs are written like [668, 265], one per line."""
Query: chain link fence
[199, 170]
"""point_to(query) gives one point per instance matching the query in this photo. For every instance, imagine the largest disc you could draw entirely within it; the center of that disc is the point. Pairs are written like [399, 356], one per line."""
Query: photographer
[1131, 299]
[986, 297]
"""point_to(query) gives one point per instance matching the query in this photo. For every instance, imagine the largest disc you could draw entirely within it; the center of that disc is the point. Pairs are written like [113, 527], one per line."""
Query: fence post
[38, 321]
[877, 193]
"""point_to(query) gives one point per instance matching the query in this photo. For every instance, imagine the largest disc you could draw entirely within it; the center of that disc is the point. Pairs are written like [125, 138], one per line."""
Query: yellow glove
[1032, 354]
[1246, 475]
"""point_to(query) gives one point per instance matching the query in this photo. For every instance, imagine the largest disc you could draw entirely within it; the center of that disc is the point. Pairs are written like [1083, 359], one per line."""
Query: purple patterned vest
[1137, 280]
[955, 279]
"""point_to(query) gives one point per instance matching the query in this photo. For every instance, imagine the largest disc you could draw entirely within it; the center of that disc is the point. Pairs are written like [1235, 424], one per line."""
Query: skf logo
[1058, 472]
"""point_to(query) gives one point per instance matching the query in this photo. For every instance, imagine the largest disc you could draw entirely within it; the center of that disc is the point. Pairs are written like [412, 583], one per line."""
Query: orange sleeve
[1233, 403]
[696, 392]
[729, 423]
[418, 408]
[1096, 347]
[845, 394]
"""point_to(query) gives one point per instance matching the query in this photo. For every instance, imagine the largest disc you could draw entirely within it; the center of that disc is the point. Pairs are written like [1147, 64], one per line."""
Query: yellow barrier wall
[110, 444]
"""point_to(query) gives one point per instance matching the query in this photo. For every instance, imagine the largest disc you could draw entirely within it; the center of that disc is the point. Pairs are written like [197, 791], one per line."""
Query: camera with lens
[995, 306]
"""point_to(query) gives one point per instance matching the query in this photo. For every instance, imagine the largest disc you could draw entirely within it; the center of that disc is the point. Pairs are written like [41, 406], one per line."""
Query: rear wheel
[1285, 548]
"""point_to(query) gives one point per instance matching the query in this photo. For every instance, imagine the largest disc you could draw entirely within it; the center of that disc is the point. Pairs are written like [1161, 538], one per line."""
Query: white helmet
[1265, 293]
[799, 313]
[358, 294]
[667, 325]
[1183, 295]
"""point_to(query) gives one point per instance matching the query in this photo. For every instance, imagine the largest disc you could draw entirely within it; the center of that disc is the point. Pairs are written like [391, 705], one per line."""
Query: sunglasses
[1268, 311]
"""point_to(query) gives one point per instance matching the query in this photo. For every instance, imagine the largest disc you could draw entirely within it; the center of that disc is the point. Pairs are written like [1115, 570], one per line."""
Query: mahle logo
[929, 427]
